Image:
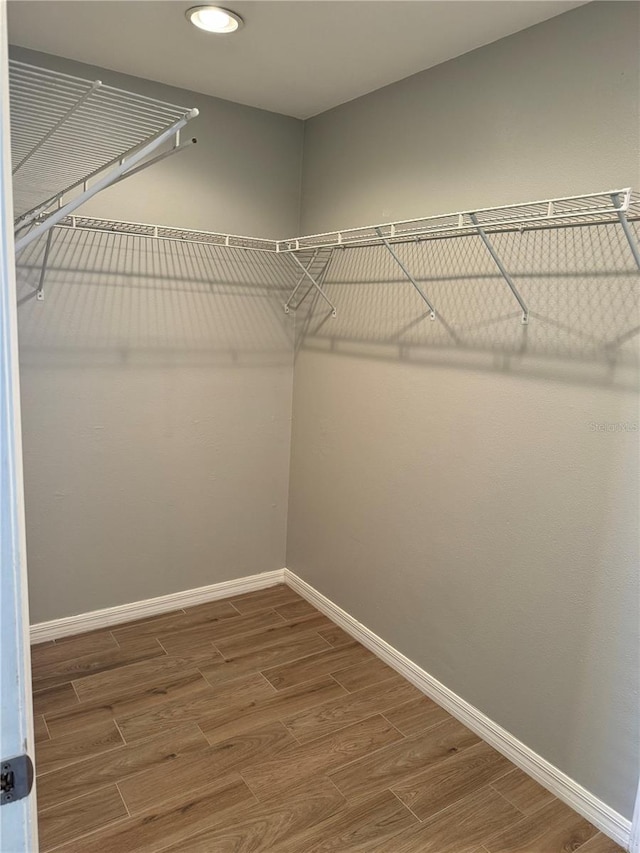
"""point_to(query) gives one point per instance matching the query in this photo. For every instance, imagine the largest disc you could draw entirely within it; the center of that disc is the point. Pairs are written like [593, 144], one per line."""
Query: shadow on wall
[114, 299]
[581, 285]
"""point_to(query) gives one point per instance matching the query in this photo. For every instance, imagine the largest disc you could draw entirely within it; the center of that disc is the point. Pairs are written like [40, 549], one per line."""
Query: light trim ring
[214, 19]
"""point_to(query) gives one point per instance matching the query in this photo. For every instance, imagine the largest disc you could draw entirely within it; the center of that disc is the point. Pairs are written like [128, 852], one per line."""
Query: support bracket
[407, 273]
[307, 274]
[158, 158]
[501, 267]
[43, 271]
[628, 233]
[302, 278]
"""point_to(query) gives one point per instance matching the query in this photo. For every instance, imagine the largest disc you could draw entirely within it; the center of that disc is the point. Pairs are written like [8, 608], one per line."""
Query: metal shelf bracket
[621, 211]
[306, 274]
[43, 271]
[407, 273]
[287, 304]
[501, 267]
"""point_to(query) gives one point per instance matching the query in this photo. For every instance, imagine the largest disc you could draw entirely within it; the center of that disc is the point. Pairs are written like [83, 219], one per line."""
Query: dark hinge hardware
[16, 778]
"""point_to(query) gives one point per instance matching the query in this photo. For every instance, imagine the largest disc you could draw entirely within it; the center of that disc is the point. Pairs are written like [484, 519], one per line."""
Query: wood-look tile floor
[255, 724]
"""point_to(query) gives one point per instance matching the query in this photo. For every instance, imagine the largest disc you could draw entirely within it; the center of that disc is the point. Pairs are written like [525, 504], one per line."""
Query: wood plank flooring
[256, 724]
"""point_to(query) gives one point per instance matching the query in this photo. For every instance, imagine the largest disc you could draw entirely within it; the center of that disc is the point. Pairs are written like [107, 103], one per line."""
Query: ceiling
[298, 57]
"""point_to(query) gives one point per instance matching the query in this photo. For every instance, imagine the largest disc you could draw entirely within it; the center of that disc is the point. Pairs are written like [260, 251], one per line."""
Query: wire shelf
[66, 131]
[593, 209]
[167, 232]
[312, 255]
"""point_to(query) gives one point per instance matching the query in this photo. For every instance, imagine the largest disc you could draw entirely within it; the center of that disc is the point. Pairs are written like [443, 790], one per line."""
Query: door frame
[18, 819]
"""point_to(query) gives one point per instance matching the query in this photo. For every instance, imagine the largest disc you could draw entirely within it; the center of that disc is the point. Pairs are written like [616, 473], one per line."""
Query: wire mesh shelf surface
[167, 232]
[596, 209]
[593, 209]
[65, 130]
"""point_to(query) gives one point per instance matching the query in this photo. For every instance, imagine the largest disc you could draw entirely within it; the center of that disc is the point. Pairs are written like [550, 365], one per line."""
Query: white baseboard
[566, 789]
[57, 628]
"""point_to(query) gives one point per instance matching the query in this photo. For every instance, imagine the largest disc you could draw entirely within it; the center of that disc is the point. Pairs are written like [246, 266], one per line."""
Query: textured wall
[448, 487]
[157, 378]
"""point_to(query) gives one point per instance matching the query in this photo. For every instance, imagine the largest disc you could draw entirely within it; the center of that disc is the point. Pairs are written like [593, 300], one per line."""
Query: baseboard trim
[566, 789]
[83, 622]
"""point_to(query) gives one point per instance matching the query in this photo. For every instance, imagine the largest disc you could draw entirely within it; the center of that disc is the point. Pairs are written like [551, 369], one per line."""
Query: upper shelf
[595, 209]
[169, 232]
[71, 137]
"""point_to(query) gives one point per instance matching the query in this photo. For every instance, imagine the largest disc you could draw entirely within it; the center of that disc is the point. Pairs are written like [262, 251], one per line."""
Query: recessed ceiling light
[213, 19]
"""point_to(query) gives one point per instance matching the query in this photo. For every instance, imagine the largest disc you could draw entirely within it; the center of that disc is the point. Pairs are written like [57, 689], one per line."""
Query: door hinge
[16, 778]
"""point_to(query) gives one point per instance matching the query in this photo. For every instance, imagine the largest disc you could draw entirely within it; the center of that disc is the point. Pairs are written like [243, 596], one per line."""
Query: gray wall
[157, 379]
[448, 487]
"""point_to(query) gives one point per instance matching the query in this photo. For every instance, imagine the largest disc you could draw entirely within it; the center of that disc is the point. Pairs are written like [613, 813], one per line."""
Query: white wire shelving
[595, 209]
[611, 207]
[71, 138]
[168, 232]
[592, 209]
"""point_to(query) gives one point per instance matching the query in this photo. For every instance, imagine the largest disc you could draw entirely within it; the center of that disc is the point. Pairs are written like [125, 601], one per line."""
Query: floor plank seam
[64, 802]
[504, 797]
[419, 731]
[285, 662]
[77, 760]
[251, 791]
[525, 816]
[280, 720]
[450, 805]
[324, 639]
[124, 740]
[404, 805]
[333, 784]
[371, 752]
[44, 720]
[94, 832]
[402, 734]
[275, 690]
[346, 725]
[218, 650]
[239, 634]
[124, 802]
[333, 678]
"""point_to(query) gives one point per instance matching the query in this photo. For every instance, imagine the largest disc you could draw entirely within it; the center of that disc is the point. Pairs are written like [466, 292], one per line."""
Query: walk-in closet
[319, 395]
